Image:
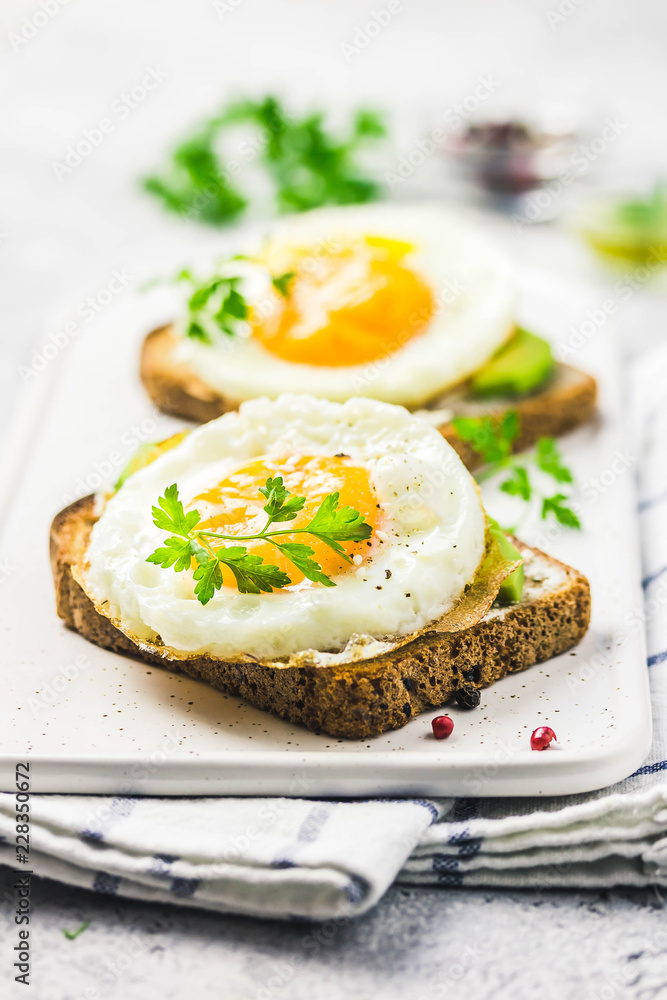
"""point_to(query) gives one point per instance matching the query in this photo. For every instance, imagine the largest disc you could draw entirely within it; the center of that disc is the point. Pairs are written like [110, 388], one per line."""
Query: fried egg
[395, 302]
[427, 541]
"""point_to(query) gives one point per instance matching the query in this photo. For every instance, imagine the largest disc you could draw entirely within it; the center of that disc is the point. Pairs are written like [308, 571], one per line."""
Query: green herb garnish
[647, 215]
[214, 303]
[493, 438]
[331, 524]
[282, 282]
[71, 935]
[307, 166]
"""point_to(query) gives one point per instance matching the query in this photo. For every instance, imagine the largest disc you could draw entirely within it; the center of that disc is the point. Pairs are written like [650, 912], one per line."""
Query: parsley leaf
[278, 507]
[563, 514]
[251, 573]
[170, 515]
[549, 460]
[73, 935]
[332, 524]
[177, 553]
[300, 555]
[197, 332]
[209, 579]
[214, 303]
[282, 282]
[489, 437]
[518, 484]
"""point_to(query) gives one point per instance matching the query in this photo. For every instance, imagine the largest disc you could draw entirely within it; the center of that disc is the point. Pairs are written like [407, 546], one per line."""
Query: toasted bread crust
[354, 700]
[566, 403]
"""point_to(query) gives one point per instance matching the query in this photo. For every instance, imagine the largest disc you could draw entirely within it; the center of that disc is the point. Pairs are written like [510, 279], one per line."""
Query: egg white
[475, 310]
[433, 538]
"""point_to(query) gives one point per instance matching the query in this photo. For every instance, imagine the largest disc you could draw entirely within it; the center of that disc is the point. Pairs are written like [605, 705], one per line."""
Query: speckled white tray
[92, 721]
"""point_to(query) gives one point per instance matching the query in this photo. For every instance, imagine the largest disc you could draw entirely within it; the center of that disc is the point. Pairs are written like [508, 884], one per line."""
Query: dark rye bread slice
[366, 697]
[568, 401]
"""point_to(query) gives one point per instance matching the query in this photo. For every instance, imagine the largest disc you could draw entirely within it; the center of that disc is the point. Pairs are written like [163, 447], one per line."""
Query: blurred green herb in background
[646, 214]
[307, 166]
[629, 232]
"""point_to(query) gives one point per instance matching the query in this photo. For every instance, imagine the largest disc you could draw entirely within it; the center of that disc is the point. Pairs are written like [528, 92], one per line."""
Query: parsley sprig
[331, 524]
[215, 302]
[306, 165]
[492, 439]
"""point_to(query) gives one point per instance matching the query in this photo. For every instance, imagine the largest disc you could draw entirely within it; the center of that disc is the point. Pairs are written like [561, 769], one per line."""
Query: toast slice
[568, 401]
[363, 696]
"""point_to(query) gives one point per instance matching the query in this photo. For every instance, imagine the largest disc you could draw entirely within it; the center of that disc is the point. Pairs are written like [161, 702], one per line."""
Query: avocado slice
[147, 453]
[511, 589]
[521, 365]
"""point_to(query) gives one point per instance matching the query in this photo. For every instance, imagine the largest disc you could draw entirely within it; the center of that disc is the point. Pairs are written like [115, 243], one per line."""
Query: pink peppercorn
[443, 727]
[541, 738]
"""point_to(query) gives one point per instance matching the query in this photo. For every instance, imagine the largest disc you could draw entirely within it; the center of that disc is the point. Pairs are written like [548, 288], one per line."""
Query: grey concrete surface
[415, 944]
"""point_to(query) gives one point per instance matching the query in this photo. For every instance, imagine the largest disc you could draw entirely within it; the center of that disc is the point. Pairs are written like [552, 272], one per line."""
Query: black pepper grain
[468, 697]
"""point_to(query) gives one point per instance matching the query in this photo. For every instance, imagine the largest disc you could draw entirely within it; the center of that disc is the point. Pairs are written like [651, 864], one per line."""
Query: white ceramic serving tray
[89, 720]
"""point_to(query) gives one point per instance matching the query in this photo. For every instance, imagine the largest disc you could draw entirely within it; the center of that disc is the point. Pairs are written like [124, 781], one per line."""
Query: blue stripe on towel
[445, 862]
[648, 580]
[105, 883]
[308, 832]
[657, 658]
[647, 504]
[184, 887]
[660, 765]
[314, 821]
[450, 878]
[468, 846]
[356, 889]
[118, 808]
[161, 864]
[446, 869]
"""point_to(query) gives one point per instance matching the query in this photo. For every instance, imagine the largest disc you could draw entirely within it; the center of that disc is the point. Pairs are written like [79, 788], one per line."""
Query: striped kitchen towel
[322, 860]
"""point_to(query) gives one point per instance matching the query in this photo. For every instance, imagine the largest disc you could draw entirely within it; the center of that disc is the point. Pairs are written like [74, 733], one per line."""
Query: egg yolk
[346, 306]
[235, 506]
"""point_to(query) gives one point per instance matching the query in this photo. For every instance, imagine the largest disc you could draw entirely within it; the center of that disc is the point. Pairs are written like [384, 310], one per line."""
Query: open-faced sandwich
[407, 304]
[328, 562]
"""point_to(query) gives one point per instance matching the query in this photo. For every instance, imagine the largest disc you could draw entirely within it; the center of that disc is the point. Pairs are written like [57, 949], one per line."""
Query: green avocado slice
[521, 365]
[511, 589]
[147, 453]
